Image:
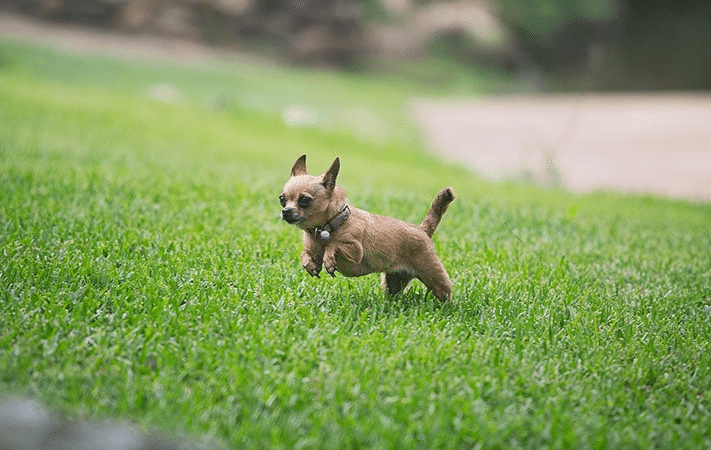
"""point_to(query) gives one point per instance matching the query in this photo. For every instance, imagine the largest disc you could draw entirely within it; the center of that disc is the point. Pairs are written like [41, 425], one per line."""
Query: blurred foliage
[614, 44]
[558, 37]
[661, 45]
[545, 18]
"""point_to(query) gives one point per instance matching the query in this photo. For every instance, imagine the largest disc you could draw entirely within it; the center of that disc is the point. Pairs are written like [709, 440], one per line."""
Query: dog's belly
[349, 269]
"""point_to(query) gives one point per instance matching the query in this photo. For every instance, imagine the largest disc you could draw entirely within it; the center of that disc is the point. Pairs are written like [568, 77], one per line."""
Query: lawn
[145, 275]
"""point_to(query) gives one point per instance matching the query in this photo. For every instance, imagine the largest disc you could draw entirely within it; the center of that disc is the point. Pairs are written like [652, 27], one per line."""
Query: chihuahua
[354, 242]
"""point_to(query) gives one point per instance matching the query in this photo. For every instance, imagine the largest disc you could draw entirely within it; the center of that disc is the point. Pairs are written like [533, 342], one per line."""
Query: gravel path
[643, 143]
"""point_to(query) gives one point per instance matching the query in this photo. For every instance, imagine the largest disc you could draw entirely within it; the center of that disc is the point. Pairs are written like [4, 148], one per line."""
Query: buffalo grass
[145, 276]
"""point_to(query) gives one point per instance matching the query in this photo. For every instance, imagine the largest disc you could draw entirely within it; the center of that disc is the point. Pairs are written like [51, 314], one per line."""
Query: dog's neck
[325, 232]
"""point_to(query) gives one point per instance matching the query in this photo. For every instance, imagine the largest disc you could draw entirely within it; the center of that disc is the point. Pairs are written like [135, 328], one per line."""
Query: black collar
[324, 233]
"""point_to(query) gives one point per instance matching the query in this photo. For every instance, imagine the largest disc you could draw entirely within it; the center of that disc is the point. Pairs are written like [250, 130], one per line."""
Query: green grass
[145, 276]
[372, 107]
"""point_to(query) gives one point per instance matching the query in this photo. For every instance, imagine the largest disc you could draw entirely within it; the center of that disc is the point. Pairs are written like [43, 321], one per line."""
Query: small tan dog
[341, 237]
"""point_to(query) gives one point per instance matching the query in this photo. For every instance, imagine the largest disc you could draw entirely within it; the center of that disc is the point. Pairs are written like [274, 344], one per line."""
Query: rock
[397, 7]
[27, 425]
[326, 33]
[395, 42]
[323, 45]
[312, 43]
[471, 28]
[177, 21]
[234, 7]
[136, 15]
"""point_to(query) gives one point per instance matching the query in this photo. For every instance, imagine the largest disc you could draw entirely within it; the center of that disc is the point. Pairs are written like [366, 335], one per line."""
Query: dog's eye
[304, 202]
[282, 200]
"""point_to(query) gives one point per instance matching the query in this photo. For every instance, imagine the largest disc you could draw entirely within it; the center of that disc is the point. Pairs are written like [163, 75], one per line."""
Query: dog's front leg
[312, 263]
[329, 260]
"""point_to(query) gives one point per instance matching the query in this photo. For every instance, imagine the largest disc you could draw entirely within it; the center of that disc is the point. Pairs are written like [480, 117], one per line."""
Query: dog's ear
[299, 166]
[329, 178]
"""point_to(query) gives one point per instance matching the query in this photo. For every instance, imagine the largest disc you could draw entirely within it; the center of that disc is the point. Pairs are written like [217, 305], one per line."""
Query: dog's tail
[437, 210]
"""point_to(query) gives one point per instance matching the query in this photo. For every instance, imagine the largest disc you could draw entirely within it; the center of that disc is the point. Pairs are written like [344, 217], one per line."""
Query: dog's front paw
[312, 268]
[312, 265]
[329, 262]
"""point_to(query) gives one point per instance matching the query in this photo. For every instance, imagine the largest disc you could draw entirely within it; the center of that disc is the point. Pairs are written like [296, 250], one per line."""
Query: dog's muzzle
[290, 216]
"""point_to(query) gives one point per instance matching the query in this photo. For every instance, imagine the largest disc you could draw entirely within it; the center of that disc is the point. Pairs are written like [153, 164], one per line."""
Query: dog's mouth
[292, 218]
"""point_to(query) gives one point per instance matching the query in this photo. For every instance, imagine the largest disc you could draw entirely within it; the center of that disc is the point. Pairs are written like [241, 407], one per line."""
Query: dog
[343, 238]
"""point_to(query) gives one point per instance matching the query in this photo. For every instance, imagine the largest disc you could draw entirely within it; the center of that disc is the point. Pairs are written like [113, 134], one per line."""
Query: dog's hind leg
[394, 282]
[440, 285]
[431, 272]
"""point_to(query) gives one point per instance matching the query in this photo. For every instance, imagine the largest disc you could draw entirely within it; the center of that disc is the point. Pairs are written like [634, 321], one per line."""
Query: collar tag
[325, 233]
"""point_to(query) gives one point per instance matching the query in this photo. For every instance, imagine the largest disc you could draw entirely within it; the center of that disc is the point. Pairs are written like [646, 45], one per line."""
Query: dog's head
[307, 200]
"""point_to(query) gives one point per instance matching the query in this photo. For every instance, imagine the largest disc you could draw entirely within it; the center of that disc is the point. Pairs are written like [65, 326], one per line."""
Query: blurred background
[571, 45]
[609, 94]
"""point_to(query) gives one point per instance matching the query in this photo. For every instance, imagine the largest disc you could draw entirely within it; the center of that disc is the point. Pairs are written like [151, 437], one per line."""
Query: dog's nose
[289, 215]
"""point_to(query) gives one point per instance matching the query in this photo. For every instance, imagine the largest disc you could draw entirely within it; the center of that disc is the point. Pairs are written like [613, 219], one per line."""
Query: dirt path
[647, 143]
